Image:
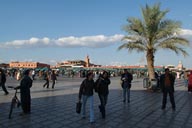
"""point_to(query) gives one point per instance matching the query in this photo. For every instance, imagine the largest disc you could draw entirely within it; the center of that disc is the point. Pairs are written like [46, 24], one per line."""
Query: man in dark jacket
[53, 78]
[167, 81]
[126, 79]
[2, 81]
[25, 85]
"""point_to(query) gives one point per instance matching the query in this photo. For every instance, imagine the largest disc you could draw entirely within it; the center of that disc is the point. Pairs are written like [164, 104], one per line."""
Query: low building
[3, 65]
[76, 63]
[27, 65]
[71, 63]
[178, 68]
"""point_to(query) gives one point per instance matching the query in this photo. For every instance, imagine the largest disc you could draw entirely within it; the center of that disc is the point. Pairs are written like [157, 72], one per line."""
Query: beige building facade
[77, 63]
[27, 65]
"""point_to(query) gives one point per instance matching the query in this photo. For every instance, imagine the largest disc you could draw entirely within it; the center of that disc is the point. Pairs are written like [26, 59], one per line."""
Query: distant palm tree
[153, 33]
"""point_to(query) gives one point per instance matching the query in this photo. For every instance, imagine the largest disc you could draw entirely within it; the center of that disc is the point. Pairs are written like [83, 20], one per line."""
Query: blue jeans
[186, 82]
[126, 94]
[91, 107]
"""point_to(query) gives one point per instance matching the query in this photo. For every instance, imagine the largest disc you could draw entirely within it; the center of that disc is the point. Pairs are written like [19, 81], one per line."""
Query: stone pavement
[55, 108]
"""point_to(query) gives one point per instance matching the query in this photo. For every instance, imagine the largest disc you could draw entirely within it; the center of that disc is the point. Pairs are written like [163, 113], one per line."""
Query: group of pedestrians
[86, 91]
[99, 85]
[47, 77]
[167, 81]
[24, 86]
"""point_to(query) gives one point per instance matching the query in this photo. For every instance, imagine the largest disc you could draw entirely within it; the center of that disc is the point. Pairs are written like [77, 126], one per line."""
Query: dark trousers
[46, 83]
[26, 103]
[4, 88]
[53, 84]
[26, 107]
[33, 77]
[171, 96]
[103, 101]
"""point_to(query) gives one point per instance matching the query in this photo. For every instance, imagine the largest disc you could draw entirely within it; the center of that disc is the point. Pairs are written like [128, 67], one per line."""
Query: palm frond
[178, 50]
[133, 46]
[173, 41]
[167, 28]
[134, 26]
[175, 44]
[152, 18]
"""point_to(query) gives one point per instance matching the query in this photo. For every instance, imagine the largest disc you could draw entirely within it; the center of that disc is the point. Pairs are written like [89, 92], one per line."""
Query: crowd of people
[26, 77]
[166, 82]
[97, 82]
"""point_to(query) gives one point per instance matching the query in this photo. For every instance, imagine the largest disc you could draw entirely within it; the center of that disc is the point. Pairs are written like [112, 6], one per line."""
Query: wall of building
[27, 65]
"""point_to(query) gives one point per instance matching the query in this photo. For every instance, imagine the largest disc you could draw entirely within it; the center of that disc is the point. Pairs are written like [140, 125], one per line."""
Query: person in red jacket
[190, 82]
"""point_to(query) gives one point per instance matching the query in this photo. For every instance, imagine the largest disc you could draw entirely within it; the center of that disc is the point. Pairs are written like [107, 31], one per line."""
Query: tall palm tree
[152, 33]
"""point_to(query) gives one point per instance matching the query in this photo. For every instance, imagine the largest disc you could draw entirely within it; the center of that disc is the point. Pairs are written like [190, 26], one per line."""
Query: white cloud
[97, 41]
[88, 41]
[32, 42]
[187, 33]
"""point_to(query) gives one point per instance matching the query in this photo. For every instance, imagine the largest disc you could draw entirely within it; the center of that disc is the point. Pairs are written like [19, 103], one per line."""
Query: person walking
[18, 75]
[86, 92]
[53, 78]
[25, 85]
[167, 81]
[46, 78]
[190, 82]
[185, 76]
[96, 75]
[102, 87]
[126, 79]
[33, 74]
[2, 81]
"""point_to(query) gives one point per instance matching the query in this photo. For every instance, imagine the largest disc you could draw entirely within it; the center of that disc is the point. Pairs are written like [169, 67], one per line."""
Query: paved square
[55, 108]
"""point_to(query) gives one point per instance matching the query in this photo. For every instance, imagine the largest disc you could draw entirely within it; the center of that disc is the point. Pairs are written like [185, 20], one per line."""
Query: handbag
[78, 107]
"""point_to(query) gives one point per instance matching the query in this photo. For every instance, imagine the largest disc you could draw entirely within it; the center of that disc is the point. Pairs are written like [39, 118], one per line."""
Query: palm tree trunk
[150, 64]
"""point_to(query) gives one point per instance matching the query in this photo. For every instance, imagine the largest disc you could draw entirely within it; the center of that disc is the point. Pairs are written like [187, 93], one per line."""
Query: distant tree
[152, 33]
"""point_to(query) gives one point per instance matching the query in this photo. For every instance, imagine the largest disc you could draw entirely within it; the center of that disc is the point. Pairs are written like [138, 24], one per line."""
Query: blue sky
[51, 31]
